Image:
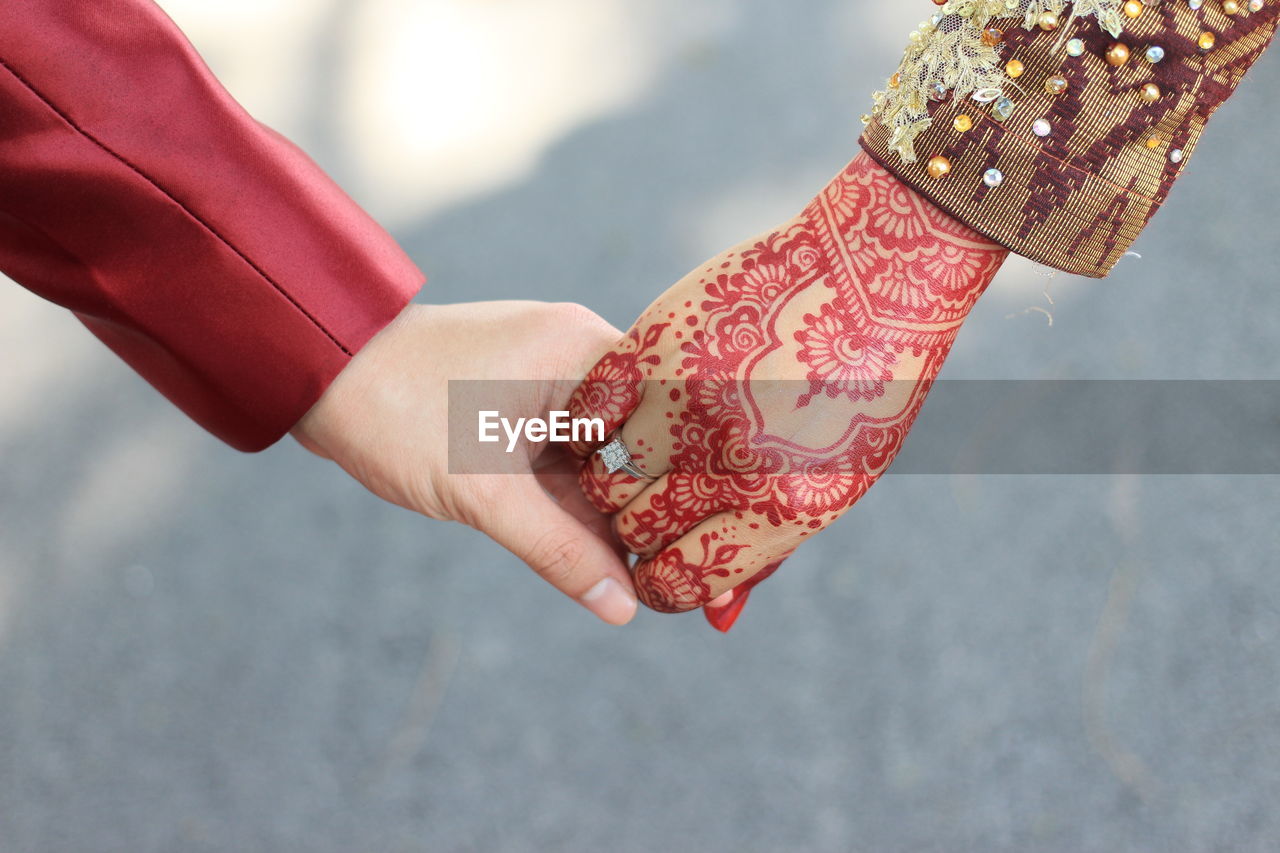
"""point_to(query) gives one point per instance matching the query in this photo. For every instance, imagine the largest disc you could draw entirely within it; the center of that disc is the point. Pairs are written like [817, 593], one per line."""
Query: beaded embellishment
[957, 54]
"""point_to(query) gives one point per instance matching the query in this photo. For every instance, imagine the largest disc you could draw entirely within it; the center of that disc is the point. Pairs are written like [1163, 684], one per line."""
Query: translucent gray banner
[965, 426]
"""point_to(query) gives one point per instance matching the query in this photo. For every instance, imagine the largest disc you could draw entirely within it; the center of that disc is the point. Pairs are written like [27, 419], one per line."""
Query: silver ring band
[617, 457]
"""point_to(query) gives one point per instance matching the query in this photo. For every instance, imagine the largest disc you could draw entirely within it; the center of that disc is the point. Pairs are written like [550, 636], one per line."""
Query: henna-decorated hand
[770, 388]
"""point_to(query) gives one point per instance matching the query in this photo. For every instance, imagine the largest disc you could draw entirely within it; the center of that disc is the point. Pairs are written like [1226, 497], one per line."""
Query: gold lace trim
[946, 58]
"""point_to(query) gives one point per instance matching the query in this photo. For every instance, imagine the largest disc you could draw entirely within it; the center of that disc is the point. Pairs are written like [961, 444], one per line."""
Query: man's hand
[385, 421]
[769, 389]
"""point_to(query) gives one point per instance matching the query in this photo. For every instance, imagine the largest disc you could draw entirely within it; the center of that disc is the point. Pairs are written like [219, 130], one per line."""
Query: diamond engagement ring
[617, 457]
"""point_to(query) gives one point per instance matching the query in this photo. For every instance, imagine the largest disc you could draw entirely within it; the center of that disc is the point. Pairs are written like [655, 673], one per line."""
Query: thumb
[560, 549]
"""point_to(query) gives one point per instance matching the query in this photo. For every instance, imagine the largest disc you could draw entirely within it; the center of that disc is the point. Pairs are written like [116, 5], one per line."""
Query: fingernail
[609, 601]
[722, 600]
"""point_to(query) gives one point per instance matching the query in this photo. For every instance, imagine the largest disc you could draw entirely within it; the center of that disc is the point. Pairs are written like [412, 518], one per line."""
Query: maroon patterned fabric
[1077, 198]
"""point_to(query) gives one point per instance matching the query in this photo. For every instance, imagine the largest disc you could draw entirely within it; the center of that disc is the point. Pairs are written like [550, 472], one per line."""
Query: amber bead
[1149, 92]
[1231, 7]
[1056, 85]
[1015, 68]
[1118, 54]
[1133, 9]
[992, 36]
[963, 123]
[939, 167]
[1048, 22]
[1207, 41]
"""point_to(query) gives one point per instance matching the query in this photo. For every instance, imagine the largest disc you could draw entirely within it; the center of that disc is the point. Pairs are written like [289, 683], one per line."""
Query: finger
[670, 419]
[611, 392]
[557, 473]
[717, 555]
[669, 508]
[560, 549]
[610, 492]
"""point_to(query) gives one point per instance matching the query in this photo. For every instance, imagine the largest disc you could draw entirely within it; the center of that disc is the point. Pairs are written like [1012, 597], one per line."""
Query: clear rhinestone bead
[993, 178]
[1155, 54]
[1041, 127]
[1176, 155]
[1002, 109]
[1056, 85]
[1075, 47]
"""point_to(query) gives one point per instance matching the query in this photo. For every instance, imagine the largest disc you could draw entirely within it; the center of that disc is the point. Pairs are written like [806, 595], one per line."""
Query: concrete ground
[204, 651]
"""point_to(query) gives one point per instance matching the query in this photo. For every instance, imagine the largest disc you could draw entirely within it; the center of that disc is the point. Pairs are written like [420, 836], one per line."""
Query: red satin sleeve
[206, 250]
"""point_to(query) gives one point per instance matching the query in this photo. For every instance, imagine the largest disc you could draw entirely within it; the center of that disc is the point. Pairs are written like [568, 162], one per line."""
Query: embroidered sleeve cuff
[1058, 129]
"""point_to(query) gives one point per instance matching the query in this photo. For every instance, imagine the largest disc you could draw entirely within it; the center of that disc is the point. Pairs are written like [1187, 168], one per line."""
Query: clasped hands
[762, 395]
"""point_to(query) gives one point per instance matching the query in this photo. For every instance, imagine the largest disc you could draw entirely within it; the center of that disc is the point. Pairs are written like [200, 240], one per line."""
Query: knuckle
[477, 497]
[557, 556]
[575, 315]
[598, 490]
[641, 532]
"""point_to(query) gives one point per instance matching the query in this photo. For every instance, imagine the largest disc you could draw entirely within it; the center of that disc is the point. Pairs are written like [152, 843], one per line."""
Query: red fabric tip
[722, 618]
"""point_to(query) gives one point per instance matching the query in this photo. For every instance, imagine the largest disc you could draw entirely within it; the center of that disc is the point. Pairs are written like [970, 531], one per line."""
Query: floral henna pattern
[842, 359]
[781, 380]
[673, 584]
[611, 391]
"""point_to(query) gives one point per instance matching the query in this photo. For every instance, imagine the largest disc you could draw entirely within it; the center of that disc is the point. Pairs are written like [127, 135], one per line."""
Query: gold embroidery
[948, 57]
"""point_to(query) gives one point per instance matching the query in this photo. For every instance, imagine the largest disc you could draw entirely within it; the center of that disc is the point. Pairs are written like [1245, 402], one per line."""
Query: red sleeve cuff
[206, 250]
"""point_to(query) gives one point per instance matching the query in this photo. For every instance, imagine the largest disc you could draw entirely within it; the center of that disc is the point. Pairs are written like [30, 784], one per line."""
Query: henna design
[841, 360]
[674, 584]
[612, 390]
[857, 301]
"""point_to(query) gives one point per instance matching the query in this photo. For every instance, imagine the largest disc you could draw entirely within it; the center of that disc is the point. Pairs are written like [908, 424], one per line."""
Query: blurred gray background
[204, 651]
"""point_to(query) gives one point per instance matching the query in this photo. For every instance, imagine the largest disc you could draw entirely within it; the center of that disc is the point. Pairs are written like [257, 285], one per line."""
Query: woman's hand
[770, 388]
[385, 421]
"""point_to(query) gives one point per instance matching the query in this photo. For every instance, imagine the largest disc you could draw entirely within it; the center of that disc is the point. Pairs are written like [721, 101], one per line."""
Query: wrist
[927, 217]
[329, 417]
[898, 258]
